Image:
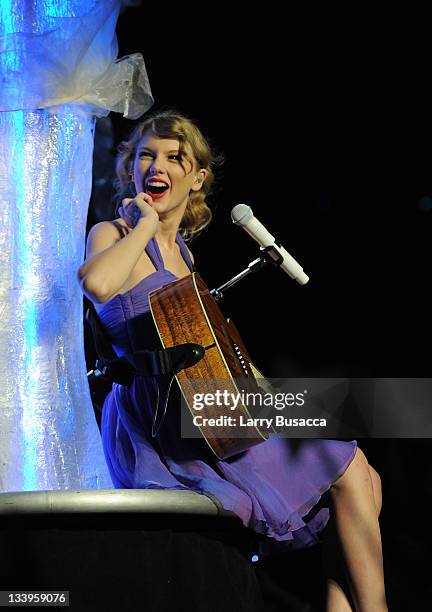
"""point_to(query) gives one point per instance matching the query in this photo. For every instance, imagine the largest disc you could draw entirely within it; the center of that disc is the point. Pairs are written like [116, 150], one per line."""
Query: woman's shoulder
[186, 247]
[190, 254]
[104, 234]
[114, 227]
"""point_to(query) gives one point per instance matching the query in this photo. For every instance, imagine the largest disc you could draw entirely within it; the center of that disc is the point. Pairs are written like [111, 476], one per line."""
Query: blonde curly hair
[173, 125]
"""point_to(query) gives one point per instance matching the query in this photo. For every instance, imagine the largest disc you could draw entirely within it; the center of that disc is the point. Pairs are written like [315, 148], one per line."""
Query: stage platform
[150, 550]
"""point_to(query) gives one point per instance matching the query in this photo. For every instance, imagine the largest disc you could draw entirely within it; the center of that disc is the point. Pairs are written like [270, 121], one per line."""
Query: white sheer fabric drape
[58, 69]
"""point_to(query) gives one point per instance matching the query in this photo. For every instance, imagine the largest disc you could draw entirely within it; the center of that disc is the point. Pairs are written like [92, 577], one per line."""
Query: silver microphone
[242, 215]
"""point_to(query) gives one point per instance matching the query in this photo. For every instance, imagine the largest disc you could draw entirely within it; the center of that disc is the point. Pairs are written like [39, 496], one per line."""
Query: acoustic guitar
[185, 311]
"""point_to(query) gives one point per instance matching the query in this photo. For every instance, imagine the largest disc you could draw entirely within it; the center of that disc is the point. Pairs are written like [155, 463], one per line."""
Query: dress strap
[185, 252]
[122, 230]
[152, 250]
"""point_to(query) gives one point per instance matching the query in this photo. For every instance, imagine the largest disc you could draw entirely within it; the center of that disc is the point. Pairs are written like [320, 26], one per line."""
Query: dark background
[323, 117]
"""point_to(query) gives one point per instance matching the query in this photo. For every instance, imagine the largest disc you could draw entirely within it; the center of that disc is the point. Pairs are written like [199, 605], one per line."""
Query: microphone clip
[272, 255]
[268, 254]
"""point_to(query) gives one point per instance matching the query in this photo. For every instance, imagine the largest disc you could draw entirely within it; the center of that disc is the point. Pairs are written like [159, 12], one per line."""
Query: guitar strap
[160, 364]
[148, 363]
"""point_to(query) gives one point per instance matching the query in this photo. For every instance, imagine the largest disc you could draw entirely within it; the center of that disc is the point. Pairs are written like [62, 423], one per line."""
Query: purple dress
[273, 487]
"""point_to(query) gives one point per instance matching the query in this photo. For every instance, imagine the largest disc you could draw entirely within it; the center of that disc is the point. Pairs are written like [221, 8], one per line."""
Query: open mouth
[156, 189]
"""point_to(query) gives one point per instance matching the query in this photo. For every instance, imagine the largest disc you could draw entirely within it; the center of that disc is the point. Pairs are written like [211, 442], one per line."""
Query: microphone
[242, 215]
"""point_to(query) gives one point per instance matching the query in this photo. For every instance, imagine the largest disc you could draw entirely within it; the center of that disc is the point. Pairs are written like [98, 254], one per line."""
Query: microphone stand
[267, 255]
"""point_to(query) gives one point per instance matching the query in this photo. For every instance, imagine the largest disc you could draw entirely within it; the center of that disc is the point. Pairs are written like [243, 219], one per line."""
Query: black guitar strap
[159, 362]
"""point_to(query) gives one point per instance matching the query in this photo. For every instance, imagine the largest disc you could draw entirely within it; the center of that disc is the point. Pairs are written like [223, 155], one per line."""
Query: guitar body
[185, 311]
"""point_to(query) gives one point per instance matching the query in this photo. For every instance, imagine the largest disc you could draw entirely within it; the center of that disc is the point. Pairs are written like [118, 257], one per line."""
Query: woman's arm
[110, 261]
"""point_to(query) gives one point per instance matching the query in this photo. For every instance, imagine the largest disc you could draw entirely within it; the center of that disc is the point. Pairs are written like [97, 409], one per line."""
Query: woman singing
[273, 487]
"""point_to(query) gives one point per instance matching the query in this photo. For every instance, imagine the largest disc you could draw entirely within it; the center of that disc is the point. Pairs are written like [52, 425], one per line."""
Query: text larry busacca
[231, 401]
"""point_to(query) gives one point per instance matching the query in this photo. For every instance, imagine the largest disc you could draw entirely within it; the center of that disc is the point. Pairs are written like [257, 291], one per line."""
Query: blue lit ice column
[49, 437]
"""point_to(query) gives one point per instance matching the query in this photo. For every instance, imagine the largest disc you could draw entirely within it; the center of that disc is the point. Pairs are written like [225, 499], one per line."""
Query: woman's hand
[140, 209]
